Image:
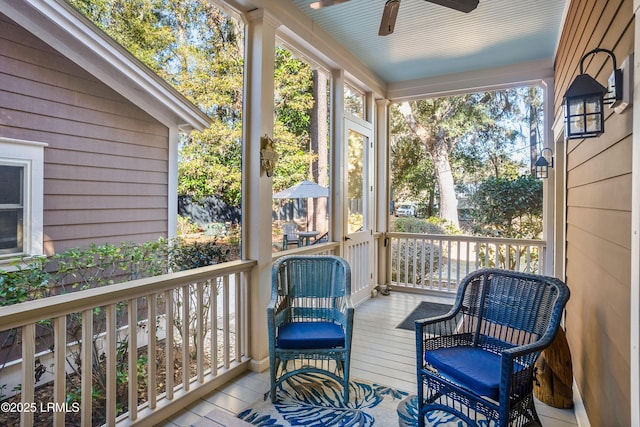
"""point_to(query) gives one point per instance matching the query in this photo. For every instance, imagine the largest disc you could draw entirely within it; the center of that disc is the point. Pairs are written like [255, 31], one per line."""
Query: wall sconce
[585, 99]
[542, 164]
[268, 155]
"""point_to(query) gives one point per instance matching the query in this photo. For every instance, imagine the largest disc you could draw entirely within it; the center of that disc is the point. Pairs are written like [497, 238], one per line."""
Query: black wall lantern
[542, 164]
[584, 101]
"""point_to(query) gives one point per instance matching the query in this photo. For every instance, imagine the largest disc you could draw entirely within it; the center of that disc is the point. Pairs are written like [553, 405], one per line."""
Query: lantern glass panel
[593, 104]
[542, 171]
[594, 124]
[576, 124]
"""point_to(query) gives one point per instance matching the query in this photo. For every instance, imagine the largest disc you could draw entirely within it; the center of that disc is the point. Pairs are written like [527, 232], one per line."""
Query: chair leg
[345, 373]
[421, 415]
[273, 372]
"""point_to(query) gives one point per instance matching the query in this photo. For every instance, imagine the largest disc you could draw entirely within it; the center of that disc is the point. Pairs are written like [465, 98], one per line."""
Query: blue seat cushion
[314, 335]
[473, 368]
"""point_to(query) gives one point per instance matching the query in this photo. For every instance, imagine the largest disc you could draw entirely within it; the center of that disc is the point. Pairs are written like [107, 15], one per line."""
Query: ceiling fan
[390, 13]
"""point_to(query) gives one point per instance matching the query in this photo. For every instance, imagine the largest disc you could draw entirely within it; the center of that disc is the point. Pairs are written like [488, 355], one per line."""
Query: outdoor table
[305, 237]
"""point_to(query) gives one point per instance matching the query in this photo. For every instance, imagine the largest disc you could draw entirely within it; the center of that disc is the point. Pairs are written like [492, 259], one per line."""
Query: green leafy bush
[185, 255]
[421, 226]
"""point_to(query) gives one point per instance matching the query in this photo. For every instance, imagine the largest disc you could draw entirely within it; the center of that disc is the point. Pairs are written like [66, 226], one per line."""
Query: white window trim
[29, 154]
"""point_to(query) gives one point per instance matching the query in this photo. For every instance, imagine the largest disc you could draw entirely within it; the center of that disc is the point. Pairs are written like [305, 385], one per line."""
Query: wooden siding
[598, 229]
[106, 166]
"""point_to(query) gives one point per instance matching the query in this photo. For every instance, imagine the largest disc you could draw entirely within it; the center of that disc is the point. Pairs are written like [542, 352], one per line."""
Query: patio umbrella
[303, 190]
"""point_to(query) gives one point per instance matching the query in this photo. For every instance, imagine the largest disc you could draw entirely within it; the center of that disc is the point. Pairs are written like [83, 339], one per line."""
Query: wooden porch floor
[381, 353]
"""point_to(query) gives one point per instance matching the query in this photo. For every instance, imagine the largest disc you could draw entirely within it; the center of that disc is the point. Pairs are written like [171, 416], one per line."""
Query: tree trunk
[448, 201]
[319, 135]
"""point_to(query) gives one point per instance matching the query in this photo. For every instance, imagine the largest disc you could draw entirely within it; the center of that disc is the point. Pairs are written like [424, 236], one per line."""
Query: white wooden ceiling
[432, 40]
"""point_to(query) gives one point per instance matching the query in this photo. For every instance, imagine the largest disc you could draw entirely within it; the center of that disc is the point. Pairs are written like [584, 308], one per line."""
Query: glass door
[359, 206]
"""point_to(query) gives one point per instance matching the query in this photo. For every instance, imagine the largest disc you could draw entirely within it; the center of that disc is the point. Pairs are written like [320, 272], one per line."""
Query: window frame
[30, 156]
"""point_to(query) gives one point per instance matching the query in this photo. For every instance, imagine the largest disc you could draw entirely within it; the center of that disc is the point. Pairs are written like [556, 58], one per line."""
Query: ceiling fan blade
[389, 15]
[325, 3]
[461, 5]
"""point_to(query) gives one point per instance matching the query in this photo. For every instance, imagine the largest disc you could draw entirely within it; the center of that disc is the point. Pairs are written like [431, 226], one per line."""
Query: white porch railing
[139, 325]
[149, 318]
[438, 262]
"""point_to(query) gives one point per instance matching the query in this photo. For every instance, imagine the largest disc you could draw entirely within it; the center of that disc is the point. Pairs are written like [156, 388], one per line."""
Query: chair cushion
[473, 368]
[310, 335]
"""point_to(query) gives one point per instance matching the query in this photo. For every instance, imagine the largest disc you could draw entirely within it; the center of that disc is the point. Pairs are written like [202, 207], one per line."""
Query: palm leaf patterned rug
[315, 400]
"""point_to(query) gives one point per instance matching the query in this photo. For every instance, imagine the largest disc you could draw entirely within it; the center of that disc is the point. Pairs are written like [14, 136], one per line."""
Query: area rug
[315, 400]
[422, 311]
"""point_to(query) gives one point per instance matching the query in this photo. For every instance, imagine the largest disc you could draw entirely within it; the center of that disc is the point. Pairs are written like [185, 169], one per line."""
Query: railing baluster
[238, 316]
[168, 344]
[200, 331]
[414, 267]
[28, 362]
[132, 328]
[214, 325]
[86, 360]
[59, 354]
[111, 368]
[185, 337]
[458, 266]
[152, 386]
[440, 250]
[225, 319]
[448, 264]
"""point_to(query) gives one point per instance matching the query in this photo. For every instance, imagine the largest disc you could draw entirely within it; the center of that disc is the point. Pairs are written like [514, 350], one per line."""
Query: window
[12, 208]
[21, 198]
[354, 101]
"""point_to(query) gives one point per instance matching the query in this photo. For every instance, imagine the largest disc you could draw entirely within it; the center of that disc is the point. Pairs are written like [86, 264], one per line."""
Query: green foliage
[293, 105]
[100, 265]
[198, 49]
[186, 226]
[417, 225]
[473, 136]
[24, 283]
[188, 255]
[508, 207]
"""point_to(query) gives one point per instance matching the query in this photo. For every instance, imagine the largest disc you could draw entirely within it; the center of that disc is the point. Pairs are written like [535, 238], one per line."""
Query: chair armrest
[444, 324]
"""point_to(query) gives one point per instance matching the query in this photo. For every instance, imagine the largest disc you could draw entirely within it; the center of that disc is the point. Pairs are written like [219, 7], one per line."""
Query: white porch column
[382, 183]
[549, 215]
[338, 167]
[257, 187]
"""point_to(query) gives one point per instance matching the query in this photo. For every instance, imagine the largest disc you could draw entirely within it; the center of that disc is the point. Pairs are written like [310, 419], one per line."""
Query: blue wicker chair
[477, 361]
[310, 318]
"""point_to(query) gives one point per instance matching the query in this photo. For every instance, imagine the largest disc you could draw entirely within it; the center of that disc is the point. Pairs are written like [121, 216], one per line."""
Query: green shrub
[185, 255]
[421, 226]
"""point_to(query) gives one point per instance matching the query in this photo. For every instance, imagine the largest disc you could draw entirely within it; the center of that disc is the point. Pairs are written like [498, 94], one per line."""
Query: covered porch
[382, 354]
[225, 304]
